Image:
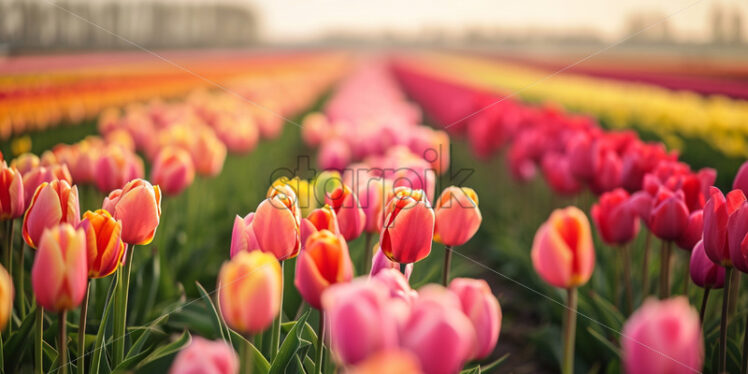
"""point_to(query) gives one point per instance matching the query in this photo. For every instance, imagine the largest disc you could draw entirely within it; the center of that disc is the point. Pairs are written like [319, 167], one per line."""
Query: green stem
[275, 337]
[21, 291]
[82, 331]
[723, 322]
[627, 279]
[9, 261]
[367, 254]
[39, 340]
[447, 264]
[645, 265]
[246, 356]
[319, 360]
[120, 308]
[665, 269]
[63, 347]
[744, 361]
[704, 300]
[570, 329]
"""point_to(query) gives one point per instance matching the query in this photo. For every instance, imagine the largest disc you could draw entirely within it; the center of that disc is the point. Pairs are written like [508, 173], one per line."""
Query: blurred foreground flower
[203, 356]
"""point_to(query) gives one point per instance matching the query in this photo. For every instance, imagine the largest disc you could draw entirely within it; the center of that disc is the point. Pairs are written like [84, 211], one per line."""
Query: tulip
[397, 284]
[705, 274]
[409, 226]
[138, 206]
[326, 182]
[6, 297]
[52, 203]
[717, 211]
[34, 178]
[608, 170]
[693, 232]
[205, 356]
[115, 167]
[615, 218]
[381, 262]
[303, 190]
[391, 361]
[208, 153]
[440, 335]
[457, 219]
[249, 291]
[324, 262]
[324, 219]
[557, 173]
[334, 154]
[663, 337]
[26, 162]
[314, 128]
[741, 179]
[12, 201]
[103, 242]
[173, 170]
[351, 218]
[243, 237]
[737, 237]
[58, 275]
[483, 309]
[276, 226]
[563, 255]
[669, 217]
[361, 323]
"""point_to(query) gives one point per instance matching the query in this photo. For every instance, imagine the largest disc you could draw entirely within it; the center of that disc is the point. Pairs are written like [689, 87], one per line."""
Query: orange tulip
[323, 262]
[351, 218]
[457, 216]
[103, 242]
[58, 275]
[562, 252]
[6, 297]
[12, 202]
[52, 203]
[249, 291]
[409, 226]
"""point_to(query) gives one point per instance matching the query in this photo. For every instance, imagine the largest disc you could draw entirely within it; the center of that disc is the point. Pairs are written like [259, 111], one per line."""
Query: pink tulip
[138, 206]
[663, 337]
[208, 153]
[351, 218]
[397, 284]
[741, 179]
[397, 361]
[314, 128]
[334, 154]
[276, 226]
[615, 218]
[26, 162]
[115, 167]
[35, 177]
[440, 335]
[669, 217]
[557, 173]
[173, 170]
[704, 272]
[12, 202]
[59, 274]
[717, 211]
[457, 216]
[562, 251]
[737, 237]
[483, 309]
[52, 204]
[243, 237]
[203, 356]
[381, 262]
[409, 226]
[360, 322]
[371, 194]
[323, 262]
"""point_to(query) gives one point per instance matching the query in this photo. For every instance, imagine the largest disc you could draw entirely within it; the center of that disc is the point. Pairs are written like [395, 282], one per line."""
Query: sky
[300, 20]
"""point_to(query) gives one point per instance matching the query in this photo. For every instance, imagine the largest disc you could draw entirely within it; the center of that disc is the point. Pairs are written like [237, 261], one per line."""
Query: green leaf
[99, 346]
[18, 339]
[212, 307]
[259, 362]
[288, 348]
[497, 362]
[607, 343]
[166, 350]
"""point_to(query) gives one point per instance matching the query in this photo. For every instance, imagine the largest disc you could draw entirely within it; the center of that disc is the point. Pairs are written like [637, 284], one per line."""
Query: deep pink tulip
[457, 216]
[439, 334]
[558, 174]
[615, 218]
[694, 231]
[372, 193]
[562, 251]
[323, 262]
[608, 170]
[741, 179]
[663, 337]
[360, 321]
[203, 356]
[276, 226]
[409, 226]
[334, 154]
[173, 170]
[579, 151]
[351, 218]
[12, 202]
[669, 217]
[59, 274]
[138, 206]
[716, 214]
[52, 204]
[737, 237]
[483, 309]
[704, 272]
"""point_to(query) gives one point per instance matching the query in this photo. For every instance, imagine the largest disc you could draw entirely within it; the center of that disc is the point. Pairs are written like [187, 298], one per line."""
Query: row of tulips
[636, 182]
[40, 92]
[73, 251]
[672, 115]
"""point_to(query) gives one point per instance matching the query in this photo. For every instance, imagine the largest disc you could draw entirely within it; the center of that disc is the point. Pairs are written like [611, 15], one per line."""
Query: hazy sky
[304, 19]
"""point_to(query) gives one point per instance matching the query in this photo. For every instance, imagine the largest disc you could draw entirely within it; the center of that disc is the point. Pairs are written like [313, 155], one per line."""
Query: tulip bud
[173, 170]
[12, 202]
[704, 272]
[58, 275]
[615, 218]
[103, 242]
[457, 216]
[115, 167]
[391, 361]
[243, 237]
[208, 153]
[562, 251]
[716, 214]
[483, 309]
[324, 219]
[52, 203]
[360, 321]
[138, 206]
[409, 226]
[249, 291]
[324, 261]
[205, 356]
[276, 226]
[6, 297]
[663, 337]
[669, 218]
[693, 232]
[26, 162]
[351, 218]
[557, 173]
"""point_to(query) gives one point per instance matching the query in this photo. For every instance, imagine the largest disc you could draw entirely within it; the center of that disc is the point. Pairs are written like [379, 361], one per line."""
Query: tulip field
[329, 212]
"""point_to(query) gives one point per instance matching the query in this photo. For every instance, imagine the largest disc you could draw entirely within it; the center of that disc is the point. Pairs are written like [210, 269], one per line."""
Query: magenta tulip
[717, 211]
[704, 272]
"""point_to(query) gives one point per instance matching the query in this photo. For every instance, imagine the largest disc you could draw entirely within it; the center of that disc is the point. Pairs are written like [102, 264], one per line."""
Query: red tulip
[52, 204]
[608, 170]
[737, 237]
[716, 214]
[457, 217]
[693, 232]
[323, 262]
[138, 206]
[704, 272]
[615, 218]
[12, 201]
[669, 217]
[409, 226]
[58, 275]
[351, 218]
[741, 179]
